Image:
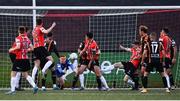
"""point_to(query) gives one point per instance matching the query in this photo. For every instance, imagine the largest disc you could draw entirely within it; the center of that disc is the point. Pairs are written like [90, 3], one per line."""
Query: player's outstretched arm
[46, 31]
[124, 48]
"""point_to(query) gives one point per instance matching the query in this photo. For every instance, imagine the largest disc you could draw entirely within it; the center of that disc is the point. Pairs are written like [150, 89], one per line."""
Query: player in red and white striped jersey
[21, 63]
[39, 50]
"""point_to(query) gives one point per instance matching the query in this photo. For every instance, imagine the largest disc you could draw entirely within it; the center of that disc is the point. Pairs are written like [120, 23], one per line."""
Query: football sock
[34, 72]
[30, 80]
[18, 76]
[145, 81]
[130, 82]
[168, 81]
[81, 78]
[164, 82]
[44, 81]
[13, 83]
[171, 80]
[46, 66]
[98, 81]
[75, 81]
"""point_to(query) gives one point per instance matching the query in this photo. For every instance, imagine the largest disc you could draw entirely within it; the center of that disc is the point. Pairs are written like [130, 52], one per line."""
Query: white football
[73, 56]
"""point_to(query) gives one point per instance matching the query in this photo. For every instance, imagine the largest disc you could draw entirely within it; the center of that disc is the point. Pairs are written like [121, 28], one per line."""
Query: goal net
[111, 27]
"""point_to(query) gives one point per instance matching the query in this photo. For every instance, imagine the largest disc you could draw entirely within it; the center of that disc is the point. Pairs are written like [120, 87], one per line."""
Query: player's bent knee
[50, 58]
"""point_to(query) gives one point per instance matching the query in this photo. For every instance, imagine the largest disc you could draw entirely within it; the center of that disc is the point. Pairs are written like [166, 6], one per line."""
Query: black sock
[98, 81]
[136, 81]
[62, 87]
[53, 75]
[171, 80]
[44, 80]
[145, 81]
[164, 81]
[36, 78]
[20, 81]
[142, 79]
[75, 81]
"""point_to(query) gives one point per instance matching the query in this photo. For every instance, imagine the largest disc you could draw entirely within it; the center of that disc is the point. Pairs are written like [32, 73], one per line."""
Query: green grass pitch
[153, 94]
[5, 67]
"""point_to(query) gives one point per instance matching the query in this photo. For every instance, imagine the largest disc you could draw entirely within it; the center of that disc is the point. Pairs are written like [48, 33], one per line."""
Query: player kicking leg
[39, 50]
[131, 66]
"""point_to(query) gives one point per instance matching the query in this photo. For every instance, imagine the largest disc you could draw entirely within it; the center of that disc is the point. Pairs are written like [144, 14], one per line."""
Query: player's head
[89, 35]
[135, 44]
[49, 37]
[164, 31]
[21, 29]
[142, 30]
[153, 36]
[39, 22]
[63, 59]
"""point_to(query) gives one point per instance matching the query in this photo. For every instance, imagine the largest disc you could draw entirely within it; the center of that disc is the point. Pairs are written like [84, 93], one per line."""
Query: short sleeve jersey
[24, 43]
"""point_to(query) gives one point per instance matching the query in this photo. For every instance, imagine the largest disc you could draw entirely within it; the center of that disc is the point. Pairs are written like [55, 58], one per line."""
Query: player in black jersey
[144, 39]
[173, 51]
[50, 45]
[152, 50]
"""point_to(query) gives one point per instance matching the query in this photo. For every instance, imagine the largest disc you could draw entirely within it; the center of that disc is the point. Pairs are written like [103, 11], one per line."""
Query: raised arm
[46, 31]
[124, 48]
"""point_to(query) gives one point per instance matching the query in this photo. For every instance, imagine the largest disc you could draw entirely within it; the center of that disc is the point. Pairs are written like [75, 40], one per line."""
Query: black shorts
[40, 53]
[168, 63]
[21, 65]
[129, 68]
[12, 57]
[94, 63]
[83, 62]
[86, 62]
[155, 63]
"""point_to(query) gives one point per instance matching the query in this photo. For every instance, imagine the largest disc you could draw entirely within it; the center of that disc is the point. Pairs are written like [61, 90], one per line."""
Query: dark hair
[89, 35]
[143, 28]
[21, 29]
[166, 30]
[39, 21]
[49, 34]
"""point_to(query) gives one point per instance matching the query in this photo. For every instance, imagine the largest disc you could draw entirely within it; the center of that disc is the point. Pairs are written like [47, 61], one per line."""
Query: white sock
[168, 81]
[46, 66]
[34, 71]
[81, 79]
[13, 83]
[103, 80]
[130, 82]
[18, 76]
[30, 80]
[110, 68]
